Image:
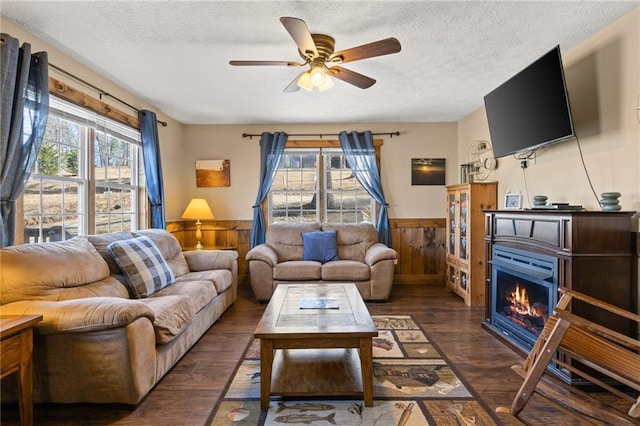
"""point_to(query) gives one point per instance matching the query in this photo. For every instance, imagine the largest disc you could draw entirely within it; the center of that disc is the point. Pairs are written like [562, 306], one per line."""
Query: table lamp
[198, 209]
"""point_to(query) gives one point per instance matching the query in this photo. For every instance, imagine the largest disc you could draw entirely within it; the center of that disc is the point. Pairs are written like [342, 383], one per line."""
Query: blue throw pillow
[321, 246]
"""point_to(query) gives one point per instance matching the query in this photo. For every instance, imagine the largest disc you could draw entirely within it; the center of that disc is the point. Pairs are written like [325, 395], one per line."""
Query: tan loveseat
[361, 260]
[96, 343]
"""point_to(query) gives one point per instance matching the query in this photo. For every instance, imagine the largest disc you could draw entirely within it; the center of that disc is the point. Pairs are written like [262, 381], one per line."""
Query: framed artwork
[428, 171]
[213, 173]
[512, 200]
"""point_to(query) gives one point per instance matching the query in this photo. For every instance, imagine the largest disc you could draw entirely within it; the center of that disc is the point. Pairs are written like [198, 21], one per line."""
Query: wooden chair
[611, 353]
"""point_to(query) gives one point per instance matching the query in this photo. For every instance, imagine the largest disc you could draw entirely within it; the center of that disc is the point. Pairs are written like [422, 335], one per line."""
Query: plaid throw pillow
[143, 265]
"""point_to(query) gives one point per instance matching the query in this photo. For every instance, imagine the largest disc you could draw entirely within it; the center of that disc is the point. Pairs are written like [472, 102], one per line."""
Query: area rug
[413, 385]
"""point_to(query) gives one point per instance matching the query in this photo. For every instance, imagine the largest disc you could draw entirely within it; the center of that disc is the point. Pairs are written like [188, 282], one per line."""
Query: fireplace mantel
[565, 232]
[593, 250]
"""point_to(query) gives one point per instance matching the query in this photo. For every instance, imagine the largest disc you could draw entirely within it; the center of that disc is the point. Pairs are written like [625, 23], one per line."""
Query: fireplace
[543, 250]
[524, 290]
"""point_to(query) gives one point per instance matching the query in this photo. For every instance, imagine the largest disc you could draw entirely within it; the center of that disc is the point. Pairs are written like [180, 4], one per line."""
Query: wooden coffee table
[309, 352]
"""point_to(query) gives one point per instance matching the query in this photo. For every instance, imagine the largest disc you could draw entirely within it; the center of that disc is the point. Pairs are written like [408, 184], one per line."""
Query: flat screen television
[531, 109]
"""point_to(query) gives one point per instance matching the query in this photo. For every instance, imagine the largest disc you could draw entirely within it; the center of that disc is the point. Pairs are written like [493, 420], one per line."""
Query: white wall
[416, 140]
[603, 81]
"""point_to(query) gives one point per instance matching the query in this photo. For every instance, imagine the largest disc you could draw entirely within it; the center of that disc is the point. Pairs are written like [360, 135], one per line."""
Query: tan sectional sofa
[361, 260]
[96, 343]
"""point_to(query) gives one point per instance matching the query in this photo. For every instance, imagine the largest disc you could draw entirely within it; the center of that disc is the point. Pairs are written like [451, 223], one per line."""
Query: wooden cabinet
[465, 238]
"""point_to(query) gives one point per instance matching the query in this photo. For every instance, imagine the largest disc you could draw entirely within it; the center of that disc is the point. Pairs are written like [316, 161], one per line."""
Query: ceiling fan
[317, 51]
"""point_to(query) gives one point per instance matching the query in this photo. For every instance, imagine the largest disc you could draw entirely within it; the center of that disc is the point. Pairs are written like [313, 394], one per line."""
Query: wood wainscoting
[420, 244]
[216, 234]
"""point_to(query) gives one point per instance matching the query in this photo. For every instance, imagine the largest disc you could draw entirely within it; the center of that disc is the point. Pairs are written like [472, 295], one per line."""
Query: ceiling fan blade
[352, 77]
[298, 30]
[293, 86]
[268, 63]
[369, 50]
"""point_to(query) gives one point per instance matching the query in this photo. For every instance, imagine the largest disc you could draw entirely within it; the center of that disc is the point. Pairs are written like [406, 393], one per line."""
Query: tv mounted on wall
[531, 109]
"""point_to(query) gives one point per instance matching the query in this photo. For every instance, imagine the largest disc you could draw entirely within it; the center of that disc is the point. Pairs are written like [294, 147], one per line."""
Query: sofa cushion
[221, 279]
[345, 270]
[142, 263]
[88, 314]
[297, 270]
[169, 248]
[285, 238]
[172, 315]
[45, 271]
[208, 260]
[320, 246]
[101, 241]
[200, 293]
[354, 239]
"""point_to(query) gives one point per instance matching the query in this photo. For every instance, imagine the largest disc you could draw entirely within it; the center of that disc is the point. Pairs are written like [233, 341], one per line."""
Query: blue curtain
[271, 149]
[23, 114]
[360, 154]
[152, 166]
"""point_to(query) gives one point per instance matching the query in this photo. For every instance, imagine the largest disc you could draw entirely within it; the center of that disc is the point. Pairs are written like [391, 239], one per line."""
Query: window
[318, 185]
[294, 193]
[116, 189]
[85, 179]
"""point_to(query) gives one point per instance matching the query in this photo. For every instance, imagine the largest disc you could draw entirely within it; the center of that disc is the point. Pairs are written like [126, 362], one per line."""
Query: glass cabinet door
[452, 224]
[463, 225]
[452, 275]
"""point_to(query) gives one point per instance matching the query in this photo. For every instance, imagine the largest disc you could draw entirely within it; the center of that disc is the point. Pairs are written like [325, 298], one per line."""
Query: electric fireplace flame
[524, 307]
[524, 289]
[519, 304]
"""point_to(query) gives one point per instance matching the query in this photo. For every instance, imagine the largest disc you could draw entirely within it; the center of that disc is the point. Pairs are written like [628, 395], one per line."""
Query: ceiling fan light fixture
[304, 81]
[317, 50]
[328, 84]
[316, 79]
[318, 76]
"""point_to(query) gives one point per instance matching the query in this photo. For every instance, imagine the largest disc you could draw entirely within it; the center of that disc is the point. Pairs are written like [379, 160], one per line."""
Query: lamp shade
[198, 209]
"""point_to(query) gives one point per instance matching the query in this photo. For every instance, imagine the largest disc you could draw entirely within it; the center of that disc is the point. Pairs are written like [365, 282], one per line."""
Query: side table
[16, 356]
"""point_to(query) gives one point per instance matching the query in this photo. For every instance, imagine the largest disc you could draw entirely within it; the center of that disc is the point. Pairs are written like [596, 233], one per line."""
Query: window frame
[135, 156]
[315, 192]
[356, 192]
[91, 124]
[320, 145]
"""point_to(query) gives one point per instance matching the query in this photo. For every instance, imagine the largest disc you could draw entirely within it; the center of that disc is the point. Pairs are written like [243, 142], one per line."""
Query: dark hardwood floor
[188, 394]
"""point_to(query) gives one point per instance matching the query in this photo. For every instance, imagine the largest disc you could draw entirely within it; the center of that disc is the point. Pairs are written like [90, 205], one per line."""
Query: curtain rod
[99, 90]
[321, 135]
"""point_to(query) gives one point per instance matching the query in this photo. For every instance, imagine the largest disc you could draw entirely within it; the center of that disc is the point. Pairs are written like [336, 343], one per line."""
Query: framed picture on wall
[428, 171]
[513, 200]
[213, 173]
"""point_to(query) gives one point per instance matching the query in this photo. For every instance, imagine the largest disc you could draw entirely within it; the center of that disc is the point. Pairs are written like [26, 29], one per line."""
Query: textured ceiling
[175, 54]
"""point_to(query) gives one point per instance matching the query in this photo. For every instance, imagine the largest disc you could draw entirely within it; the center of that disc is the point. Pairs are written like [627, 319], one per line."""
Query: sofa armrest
[208, 260]
[80, 315]
[378, 252]
[265, 253]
